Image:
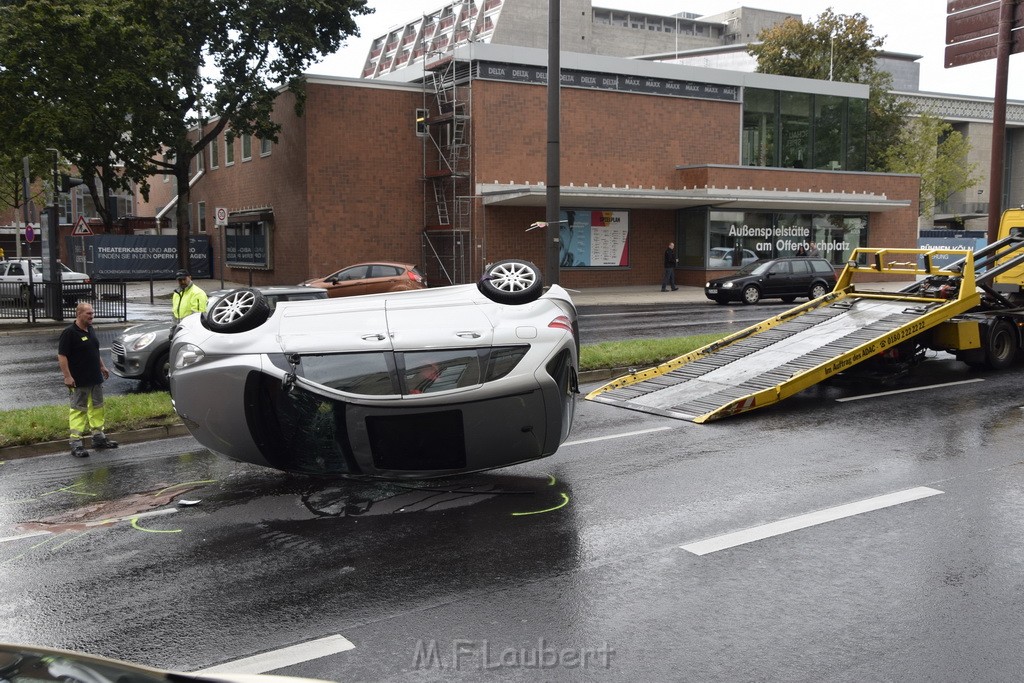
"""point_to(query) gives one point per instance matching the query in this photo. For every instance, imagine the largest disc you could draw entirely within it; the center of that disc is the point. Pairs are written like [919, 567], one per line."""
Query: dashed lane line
[785, 526]
[903, 391]
[287, 656]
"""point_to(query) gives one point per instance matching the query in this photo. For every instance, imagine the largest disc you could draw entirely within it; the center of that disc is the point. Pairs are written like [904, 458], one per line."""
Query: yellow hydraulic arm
[783, 355]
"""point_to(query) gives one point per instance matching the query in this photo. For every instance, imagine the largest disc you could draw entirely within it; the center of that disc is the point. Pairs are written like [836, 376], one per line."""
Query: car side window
[820, 266]
[356, 273]
[15, 269]
[355, 373]
[780, 268]
[800, 267]
[385, 271]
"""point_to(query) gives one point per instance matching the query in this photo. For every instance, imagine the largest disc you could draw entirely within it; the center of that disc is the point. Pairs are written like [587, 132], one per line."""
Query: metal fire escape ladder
[446, 163]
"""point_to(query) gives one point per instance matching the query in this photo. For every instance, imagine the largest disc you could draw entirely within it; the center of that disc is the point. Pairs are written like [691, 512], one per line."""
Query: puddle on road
[91, 515]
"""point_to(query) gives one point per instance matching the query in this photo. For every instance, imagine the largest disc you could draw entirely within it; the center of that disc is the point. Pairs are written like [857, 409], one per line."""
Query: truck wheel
[240, 310]
[511, 282]
[751, 294]
[1001, 345]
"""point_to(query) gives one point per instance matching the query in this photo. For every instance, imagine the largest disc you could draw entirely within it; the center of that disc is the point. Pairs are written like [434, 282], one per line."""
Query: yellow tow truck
[972, 307]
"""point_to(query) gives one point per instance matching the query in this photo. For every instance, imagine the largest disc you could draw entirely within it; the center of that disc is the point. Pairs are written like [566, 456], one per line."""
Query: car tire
[788, 299]
[160, 370]
[721, 301]
[1000, 346]
[511, 282]
[818, 290]
[751, 294]
[240, 310]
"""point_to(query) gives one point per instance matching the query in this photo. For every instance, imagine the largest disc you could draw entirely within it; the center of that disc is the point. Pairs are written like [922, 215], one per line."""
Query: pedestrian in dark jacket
[669, 280]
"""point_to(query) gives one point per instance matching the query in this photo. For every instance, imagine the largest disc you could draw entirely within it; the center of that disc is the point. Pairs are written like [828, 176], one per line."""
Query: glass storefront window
[759, 127]
[691, 229]
[856, 138]
[795, 119]
[828, 132]
[800, 130]
[736, 238]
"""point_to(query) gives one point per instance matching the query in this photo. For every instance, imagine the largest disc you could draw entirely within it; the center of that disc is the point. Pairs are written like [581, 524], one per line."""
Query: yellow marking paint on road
[565, 501]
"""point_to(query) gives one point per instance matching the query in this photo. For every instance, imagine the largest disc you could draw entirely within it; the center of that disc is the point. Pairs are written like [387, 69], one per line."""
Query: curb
[134, 436]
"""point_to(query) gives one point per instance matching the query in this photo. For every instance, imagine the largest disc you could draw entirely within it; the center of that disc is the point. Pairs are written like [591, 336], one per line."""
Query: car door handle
[374, 337]
[468, 335]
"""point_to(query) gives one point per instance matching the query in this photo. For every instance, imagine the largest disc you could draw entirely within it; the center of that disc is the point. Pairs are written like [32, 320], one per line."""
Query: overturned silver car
[414, 384]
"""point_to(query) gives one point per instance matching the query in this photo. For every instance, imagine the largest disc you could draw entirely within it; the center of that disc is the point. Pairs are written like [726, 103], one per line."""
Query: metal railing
[18, 301]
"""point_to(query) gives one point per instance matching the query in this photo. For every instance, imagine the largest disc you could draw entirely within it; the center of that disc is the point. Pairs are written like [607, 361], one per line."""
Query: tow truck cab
[1011, 281]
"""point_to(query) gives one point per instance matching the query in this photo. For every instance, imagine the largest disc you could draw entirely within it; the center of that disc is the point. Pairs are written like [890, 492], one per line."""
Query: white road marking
[784, 526]
[615, 436]
[286, 656]
[903, 391]
[31, 535]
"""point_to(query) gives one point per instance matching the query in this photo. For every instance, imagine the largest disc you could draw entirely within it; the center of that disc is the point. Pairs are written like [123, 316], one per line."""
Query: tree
[78, 75]
[843, 48]
[128, 88]
[931, 148]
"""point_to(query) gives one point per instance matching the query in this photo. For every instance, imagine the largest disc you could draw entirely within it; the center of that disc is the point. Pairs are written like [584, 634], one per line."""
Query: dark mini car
[370, 278]
[781, 278]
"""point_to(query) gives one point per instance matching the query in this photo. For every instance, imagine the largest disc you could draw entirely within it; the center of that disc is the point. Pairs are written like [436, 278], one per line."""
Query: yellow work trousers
[87, 412]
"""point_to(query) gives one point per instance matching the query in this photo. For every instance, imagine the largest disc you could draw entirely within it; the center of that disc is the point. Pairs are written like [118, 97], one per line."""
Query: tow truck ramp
[781, 356]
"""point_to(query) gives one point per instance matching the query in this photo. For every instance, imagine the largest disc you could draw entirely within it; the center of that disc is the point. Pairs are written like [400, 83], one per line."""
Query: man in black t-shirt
[78, 354]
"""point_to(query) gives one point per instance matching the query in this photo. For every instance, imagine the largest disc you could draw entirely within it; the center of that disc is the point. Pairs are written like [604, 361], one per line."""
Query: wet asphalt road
[565, 569]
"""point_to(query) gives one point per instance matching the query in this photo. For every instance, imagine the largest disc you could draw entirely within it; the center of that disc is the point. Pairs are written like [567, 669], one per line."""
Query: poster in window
[593, 238]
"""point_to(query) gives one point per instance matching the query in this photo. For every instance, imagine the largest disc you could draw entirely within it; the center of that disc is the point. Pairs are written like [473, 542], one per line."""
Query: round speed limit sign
[220, 216]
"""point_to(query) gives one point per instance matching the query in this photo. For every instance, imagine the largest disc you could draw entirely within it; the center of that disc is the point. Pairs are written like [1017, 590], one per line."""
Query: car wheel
[1001, 346]
[751, 294]
[511, 282]
[818, 290]
[160, 371]
[239, 310]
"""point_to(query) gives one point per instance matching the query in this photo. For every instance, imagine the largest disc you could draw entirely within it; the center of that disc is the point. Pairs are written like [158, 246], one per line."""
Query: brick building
[650, 153]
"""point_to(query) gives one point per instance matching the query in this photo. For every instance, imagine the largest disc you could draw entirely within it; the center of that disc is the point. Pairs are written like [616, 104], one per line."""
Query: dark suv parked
[781, 278]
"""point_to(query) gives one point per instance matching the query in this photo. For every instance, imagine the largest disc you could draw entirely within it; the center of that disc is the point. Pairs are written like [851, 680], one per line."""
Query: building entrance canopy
[723, 197]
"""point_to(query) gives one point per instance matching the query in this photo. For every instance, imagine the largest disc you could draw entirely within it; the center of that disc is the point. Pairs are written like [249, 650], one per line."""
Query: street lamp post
[51, 248]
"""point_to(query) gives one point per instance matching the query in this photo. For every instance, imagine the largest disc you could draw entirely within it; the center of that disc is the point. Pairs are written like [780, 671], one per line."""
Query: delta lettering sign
[972, 30]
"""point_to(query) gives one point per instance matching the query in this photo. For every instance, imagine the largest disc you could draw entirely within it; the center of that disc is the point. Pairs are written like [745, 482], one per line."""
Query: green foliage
[114, 84]
[931, 148]
[836, 47]
[843, 48]
[50, 423]
[643, 353]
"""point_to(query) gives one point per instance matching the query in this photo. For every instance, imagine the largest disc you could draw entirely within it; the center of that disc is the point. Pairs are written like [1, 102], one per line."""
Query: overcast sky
[910, 26]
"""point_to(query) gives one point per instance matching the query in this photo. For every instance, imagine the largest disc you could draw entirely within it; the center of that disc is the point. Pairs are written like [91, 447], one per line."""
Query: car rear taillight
[414, 276]
[561, 323]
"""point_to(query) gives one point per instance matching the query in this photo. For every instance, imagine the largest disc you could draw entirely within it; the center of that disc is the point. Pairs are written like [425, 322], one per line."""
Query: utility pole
[554, 180]
[24, 204]
[51, 248]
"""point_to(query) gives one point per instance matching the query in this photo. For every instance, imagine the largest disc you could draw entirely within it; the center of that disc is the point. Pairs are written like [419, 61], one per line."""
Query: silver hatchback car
[414, 384]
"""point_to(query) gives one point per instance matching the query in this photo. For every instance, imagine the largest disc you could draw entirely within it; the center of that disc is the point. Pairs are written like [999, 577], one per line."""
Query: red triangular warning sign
[82, 228]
